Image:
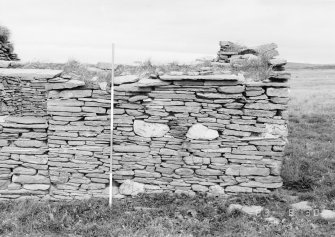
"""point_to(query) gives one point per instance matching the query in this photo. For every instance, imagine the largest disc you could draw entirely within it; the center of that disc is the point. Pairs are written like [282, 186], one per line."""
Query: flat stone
[65, 103]
[199, 188]
[218, 95]
[131, 148]
[303, 206]
[67, 94]
[231, 89]
[31, 179]
[125, 79]
[20, 150]
[200, 132]
[252, 210]
[23, 170]
[29, 143]
[238, 189]
[137, 98]
[66, 85]
[145, 129]
[245, 171]
[184, 171]
[207, 172]
[147, 82]
[328, 215]
[34, 159]
[26, 120]
[278, 92]
[29, 74]
[222, 77]
[36, 186]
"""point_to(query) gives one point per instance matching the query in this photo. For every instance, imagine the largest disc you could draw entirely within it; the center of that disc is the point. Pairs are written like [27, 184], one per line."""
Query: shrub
[4, 34]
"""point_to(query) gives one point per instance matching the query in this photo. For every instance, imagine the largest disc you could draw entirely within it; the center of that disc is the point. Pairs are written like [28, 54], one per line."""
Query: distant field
[312, 91]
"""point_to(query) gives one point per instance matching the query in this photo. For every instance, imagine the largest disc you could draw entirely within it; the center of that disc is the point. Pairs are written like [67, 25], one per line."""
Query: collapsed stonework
[203, 130]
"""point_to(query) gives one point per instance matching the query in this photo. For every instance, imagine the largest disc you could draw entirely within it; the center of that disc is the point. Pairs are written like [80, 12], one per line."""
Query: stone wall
[205, 133]
[54, 136]
[203, 130]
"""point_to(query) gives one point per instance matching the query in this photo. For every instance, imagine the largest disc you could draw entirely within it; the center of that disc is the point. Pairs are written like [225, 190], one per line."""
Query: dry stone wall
[200, 133]
[55, 136]
[203, 130]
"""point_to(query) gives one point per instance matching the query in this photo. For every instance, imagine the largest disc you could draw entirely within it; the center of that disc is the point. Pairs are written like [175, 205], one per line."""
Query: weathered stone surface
[328, 215]
[131, 148]
[23, 170]
[278, 92]
[67, 94]
[145, 129]
[29, 143]
[199, 188]
[31, 179]
[34, 159]
[200, 132]
[231, 89]
[223, 77]
[216, 190]
[36, 186]
[66, 85]
[303, 206]
[30, 74]
[129, 187]
[146, 82]
[238, 189]
[25, 120]
[125, 79]
[184, 171]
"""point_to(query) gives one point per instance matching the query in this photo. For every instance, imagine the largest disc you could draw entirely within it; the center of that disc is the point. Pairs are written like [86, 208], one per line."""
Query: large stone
[146, 82]
[31, 179]
[26, 120]
[200, 132]
[67, 94]
[245, 171]
[125, 79]
[66, 85]
[145, 129]
[231, 89]
[131, 148]
[303, 206]
[36, 186]
[30, 74]
[328, 215]
[29, 143]
[222, 77]
[23, 170]
[34, 159]
[129, 187]
[279, 92]
[184, 171]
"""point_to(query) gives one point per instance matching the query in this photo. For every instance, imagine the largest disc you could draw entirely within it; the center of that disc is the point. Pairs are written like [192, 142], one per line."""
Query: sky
[167, 30]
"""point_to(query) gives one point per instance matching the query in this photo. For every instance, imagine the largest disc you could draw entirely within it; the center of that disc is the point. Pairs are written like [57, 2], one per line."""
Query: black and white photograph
[167, 118]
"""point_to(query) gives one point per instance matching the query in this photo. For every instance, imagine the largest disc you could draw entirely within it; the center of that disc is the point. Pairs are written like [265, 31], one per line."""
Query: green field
[308, 174]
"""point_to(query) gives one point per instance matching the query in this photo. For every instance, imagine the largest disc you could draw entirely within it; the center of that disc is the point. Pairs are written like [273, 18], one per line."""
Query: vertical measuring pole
[111, 143]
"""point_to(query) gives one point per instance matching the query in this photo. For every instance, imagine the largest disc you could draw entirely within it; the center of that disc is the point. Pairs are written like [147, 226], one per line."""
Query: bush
[4, 34]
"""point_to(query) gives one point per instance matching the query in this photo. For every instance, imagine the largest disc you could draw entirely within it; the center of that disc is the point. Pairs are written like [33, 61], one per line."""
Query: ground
[308, 174]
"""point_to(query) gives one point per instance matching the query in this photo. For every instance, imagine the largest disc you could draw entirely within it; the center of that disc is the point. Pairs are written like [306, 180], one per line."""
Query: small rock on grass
[303, 206]
[328, 215]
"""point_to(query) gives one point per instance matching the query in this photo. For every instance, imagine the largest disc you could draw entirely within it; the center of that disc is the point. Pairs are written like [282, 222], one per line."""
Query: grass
[308, 174]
